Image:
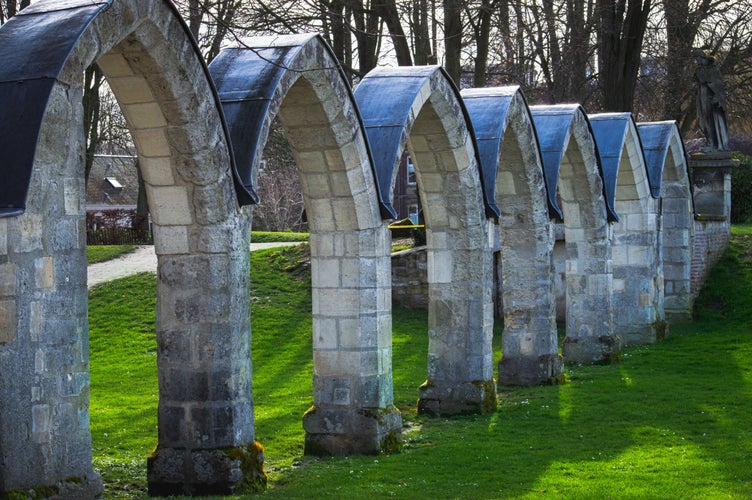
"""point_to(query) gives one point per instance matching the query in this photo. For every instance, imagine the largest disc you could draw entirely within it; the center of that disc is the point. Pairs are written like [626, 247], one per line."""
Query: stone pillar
[204, 358]
[353, 410]
[530, 343]
[637, 273]
[45, 442]
[589, 292]
[460, 361]
[677, 233]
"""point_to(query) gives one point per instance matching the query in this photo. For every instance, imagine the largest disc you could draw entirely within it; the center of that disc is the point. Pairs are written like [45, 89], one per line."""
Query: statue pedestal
[711, 184]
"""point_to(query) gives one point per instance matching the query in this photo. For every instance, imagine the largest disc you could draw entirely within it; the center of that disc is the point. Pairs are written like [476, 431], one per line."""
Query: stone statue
[711, 103]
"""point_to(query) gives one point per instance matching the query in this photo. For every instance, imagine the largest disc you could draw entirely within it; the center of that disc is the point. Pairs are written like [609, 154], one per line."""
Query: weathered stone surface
[43, 289]
[205, 425]
[367, 431]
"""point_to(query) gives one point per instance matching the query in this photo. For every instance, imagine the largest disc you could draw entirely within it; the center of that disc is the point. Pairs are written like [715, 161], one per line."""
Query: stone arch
[298, 79]
[574, 175]
[669, 176]
[637, 269]
[203, 324]
[419, 108]
[513, 172]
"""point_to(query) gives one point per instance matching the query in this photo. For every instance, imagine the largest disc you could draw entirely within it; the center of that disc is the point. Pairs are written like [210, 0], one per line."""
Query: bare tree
[279, 187]
[621, 30]
[9, 8]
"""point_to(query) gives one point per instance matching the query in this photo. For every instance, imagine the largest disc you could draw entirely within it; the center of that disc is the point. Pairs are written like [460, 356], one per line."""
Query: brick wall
[711, 239]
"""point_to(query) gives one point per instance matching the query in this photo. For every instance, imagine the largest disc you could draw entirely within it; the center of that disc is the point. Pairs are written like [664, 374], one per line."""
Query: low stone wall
[410, 278]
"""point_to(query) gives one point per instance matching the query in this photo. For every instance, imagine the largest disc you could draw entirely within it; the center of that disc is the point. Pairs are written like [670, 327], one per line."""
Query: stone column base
[650, 334]
[527, 371]
[74, 487]
[348, 431]
[592, 350]
[219, 471]
[678, 315]
[466, 398]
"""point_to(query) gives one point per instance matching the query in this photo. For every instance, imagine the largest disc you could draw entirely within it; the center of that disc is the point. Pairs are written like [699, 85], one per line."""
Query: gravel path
[141, 260]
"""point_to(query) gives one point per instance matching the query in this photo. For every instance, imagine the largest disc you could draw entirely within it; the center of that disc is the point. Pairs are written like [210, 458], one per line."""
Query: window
[412, 213]
[410, 172]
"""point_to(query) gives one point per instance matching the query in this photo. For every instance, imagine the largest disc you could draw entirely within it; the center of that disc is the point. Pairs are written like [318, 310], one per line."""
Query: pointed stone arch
[574, 176]
[200, 232]
[637, 267]
[669, 176]
[298, 79]
[513, 173]
[419, 108]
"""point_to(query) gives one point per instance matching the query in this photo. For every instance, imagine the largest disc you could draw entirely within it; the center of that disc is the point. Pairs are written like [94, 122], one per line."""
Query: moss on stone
[392, 443]
[251, 458]
[488, 388]
[661, 330]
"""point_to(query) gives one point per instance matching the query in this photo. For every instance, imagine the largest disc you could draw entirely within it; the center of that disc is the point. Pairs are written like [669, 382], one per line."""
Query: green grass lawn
[671, 421]
[101, 253]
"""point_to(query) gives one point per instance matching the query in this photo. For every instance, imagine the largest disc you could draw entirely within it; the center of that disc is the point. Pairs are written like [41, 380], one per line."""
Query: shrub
[741, 191]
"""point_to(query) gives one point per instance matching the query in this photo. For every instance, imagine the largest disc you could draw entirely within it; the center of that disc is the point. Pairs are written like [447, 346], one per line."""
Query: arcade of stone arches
[600, 201]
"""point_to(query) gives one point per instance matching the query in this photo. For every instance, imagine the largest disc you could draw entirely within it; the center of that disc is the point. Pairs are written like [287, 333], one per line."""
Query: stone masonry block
[7, 280]
[327, 272]
[337, 363]
[436, 213]
[440, 267]
[325, 333]
[157, 171]
[114, 65]
[131, 89]
[170, 205]
[315, 185]
[637, 255]
[151, 142]
[73, 196]
[329, 160]
[3, 237]
[350, 276]
[45, 272]
[356, 180]
[145, 115]
[347, 215]
[171, 240]
[336, 302]
[8, 325]
[322, 245]
[321, 215]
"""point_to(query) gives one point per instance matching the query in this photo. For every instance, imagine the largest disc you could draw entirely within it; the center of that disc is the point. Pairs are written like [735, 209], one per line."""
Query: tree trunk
[93, 78]
[621, 31]
[453, 39]
[681, 30]
[420, 33]
[482, 37]
[387, 9]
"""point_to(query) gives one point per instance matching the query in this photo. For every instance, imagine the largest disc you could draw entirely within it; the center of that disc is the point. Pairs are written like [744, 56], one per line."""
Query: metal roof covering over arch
[389, 100]
[555, 125]
[252, 81]
[661, 142]
[35, 45]
[420, 108]
[511, 164]
[616, 135]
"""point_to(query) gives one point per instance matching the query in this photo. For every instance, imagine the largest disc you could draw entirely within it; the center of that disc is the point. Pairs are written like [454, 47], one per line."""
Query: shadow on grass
[671, 420]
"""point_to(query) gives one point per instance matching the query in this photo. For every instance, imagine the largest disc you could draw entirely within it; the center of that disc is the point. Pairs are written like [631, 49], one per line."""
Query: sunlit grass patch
[671, 421]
